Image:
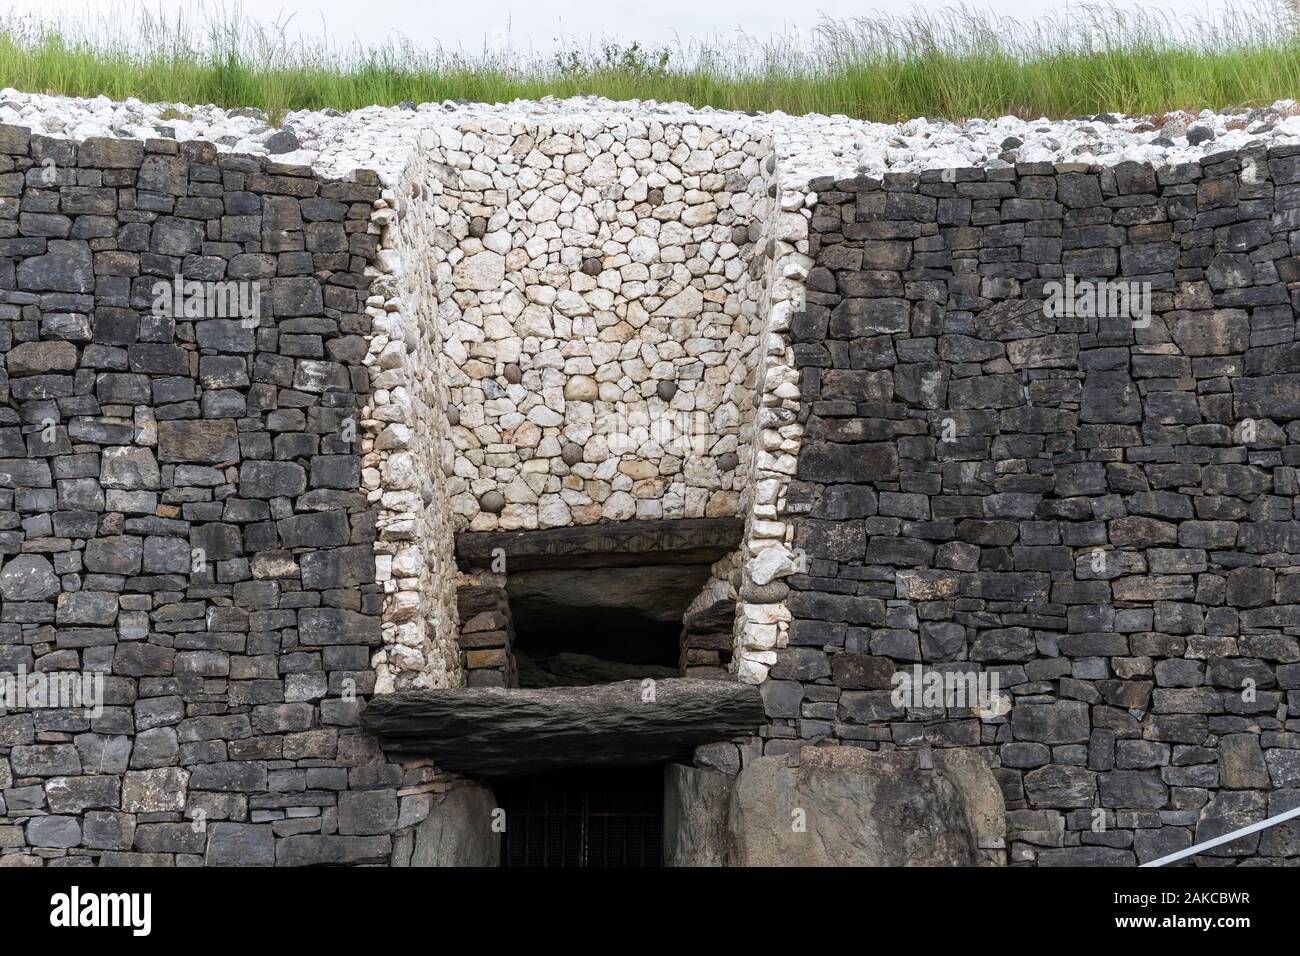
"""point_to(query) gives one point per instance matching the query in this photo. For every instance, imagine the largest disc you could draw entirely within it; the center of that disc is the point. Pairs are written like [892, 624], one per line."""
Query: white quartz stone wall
[584, 320]
[593, 281]
[407, 448]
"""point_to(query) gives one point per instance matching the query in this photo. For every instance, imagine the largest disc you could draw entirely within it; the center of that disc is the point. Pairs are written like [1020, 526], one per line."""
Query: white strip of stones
[406, 447]
[762, 625]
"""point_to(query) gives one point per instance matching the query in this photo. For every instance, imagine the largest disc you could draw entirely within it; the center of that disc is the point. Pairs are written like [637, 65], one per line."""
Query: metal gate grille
[598, 818]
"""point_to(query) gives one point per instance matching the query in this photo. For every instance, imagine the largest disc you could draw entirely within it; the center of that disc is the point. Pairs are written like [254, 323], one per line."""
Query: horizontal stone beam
[622, 543]
[494, 731]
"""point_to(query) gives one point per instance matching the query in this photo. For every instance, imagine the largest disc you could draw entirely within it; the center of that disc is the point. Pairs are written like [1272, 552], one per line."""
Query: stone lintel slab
[494, 731]
[623, 543]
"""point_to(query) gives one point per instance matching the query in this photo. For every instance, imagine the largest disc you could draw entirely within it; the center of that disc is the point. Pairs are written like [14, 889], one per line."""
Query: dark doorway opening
[576, 653]
[584, 818]
[583, 626]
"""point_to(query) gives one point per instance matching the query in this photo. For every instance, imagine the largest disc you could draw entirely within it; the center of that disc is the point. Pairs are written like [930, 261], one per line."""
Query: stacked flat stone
[487, 633]
[1100, 510]
[180, 510]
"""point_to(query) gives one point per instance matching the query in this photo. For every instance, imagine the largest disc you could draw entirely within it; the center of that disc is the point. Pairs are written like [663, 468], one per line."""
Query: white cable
[1226, 838]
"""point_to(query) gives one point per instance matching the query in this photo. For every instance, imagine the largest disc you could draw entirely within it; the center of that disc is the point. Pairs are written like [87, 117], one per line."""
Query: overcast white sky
[535, 24]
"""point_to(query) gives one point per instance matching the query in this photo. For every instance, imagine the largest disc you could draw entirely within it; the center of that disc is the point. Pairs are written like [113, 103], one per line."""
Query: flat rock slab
[494, 731]
[622, 543]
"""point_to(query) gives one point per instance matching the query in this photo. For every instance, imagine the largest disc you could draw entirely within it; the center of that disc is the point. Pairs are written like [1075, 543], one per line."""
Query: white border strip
[1226, 838]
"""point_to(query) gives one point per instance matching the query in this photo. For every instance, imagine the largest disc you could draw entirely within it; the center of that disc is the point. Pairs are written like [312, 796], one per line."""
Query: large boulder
[844, 806]
[836, 806]
[696, 816]
[458, 830]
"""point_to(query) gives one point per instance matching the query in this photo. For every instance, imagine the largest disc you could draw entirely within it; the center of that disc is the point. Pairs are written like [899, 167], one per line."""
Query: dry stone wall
[535, 320]
[1097, 508]
[182, 530]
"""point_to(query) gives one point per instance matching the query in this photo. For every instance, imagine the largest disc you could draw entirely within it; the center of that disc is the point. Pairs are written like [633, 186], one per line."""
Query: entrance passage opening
[583, 626]
[596, 604]
[583, 818]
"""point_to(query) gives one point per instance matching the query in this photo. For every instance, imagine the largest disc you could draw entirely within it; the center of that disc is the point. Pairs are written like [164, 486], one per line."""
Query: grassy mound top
[955, 64]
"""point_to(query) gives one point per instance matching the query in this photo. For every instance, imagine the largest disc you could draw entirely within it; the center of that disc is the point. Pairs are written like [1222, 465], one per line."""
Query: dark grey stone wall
[179, 511]
[1101, 510]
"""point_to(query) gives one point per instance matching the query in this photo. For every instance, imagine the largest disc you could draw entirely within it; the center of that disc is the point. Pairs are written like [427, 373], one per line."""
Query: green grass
[956, 64]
